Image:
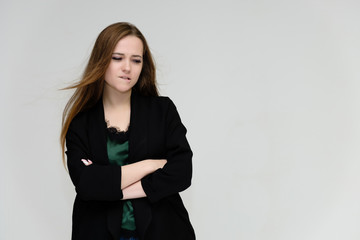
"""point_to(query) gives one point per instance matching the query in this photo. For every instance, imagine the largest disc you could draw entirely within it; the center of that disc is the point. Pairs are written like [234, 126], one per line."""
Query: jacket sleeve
[93, 182]
[177, 173]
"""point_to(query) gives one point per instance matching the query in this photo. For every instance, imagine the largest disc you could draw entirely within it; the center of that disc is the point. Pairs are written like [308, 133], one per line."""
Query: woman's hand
[86, 162]
[134, 172]
[135, 190]
[157, 163]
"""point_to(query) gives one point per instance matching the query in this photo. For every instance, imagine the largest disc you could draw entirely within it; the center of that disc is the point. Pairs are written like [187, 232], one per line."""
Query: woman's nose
[126, 66]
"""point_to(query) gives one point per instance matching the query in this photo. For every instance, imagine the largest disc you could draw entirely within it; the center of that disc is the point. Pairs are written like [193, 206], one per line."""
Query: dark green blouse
[118, 153]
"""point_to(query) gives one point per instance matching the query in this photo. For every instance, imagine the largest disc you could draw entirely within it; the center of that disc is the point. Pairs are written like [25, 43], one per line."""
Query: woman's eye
[116, 58]
[137, 61]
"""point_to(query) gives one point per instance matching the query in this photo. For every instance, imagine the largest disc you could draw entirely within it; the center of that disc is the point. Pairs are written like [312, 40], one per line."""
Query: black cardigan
[156, 132]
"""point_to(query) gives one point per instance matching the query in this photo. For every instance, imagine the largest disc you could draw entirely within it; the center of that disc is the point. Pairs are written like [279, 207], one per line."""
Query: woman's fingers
[161, 162]
[87, 162]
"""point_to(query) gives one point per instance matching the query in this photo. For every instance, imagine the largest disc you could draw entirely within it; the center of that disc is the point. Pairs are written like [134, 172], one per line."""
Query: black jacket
[156, 132]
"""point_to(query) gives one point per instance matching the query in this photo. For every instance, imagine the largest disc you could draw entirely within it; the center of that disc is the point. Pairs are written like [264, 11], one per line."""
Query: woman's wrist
[133, 191]
[155, 164]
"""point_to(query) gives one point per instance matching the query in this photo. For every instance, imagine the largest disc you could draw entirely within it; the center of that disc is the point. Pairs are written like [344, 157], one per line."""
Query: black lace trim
[114, 129]
[116, 134]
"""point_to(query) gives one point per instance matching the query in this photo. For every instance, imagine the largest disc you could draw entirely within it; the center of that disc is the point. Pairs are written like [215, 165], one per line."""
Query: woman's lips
[125, 77]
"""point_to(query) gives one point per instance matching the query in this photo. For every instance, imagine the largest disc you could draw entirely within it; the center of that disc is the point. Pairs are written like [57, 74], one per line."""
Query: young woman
[126, 148]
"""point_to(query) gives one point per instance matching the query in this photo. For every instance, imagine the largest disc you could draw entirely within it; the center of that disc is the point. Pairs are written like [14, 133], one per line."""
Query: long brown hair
[89, 89]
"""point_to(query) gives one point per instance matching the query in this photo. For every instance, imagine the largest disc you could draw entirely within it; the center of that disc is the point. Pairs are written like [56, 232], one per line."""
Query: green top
[118, 153]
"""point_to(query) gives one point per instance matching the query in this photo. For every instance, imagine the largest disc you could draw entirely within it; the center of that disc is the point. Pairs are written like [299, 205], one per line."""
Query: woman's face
[125, 65]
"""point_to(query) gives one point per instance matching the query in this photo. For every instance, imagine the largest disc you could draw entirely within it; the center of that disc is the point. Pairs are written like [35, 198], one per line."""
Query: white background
[269, 92]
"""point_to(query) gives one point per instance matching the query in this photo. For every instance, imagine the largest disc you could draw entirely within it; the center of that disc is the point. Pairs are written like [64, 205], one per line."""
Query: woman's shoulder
[153, 100]
[162, 99]
[163, 102]
[83, 116]
[159, 106]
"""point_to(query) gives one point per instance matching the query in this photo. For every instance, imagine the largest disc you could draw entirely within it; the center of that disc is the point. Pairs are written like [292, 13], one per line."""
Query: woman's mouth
[125, 78]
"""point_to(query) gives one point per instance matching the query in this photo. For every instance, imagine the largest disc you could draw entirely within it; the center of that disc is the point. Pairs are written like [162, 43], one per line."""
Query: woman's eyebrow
[116, 53]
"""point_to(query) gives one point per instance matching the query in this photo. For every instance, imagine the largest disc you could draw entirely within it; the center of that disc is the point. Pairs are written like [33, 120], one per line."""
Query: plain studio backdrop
[268, 90]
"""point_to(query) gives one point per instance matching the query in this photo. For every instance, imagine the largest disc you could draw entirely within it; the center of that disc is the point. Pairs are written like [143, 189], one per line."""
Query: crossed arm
[145, 178]
[132, 174]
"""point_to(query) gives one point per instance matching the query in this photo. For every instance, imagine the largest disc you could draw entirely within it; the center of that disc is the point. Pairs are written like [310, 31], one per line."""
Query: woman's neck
[113, 99]
[117, 108]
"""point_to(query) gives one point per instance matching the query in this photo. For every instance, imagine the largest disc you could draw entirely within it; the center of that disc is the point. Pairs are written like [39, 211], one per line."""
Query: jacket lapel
[97, 134]
[138, 148]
